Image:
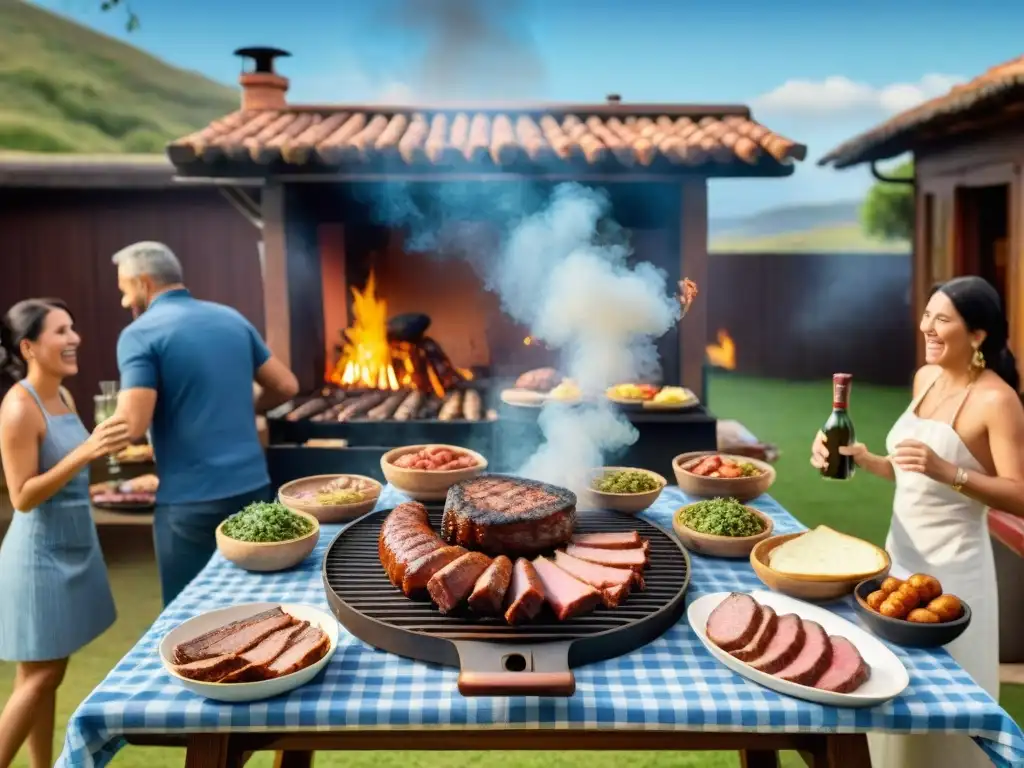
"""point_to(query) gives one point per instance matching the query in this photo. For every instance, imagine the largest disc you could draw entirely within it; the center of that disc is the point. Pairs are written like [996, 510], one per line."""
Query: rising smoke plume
[471, 49]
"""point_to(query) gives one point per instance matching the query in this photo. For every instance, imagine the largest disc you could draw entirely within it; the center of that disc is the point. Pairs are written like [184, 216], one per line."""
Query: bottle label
[840, 394]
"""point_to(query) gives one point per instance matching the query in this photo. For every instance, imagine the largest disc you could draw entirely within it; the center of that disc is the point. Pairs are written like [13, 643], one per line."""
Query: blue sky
[818, 71]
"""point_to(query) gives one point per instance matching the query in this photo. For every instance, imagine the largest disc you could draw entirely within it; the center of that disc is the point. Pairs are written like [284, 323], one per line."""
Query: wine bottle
[838, 431]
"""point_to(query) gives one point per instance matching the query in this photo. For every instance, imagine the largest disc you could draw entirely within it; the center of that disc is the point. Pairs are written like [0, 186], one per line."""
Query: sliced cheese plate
[888, 677]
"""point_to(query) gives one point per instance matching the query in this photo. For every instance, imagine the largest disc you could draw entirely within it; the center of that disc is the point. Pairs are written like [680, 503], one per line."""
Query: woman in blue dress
[54, 593]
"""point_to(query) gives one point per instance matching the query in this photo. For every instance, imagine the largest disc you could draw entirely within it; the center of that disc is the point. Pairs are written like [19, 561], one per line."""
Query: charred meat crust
[197, 648]
[405, 536]
[489, 591]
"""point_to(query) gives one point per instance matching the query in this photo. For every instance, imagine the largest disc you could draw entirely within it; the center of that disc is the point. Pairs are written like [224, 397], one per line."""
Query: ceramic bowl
[907, 633]
[629, 503]
[329, 513]
[742, 489]
[806, 587]
[265, 557]
[255, 691]
[720, 546]
[426, 484]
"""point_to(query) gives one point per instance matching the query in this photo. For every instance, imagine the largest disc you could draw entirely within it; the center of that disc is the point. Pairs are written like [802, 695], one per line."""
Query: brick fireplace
[309, 174]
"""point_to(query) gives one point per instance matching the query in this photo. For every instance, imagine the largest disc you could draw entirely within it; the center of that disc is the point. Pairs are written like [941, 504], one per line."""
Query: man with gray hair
[189, 371]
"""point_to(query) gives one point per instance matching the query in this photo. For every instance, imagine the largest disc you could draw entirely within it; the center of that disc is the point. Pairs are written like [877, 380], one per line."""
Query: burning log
[409, 407]
[387, 408]
[314, 406]
[452, 406]
[331, 414]
[430, 408]
[361, 404]
[472, 405]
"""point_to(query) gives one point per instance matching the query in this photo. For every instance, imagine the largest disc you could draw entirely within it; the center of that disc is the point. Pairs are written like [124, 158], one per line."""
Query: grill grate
[376, 612]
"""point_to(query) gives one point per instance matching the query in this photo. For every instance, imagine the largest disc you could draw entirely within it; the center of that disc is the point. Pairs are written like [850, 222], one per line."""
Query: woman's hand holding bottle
[876, 465]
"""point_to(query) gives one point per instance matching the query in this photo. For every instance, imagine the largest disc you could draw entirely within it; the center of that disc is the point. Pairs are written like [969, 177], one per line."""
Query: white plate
[888, 675]
[263, 689]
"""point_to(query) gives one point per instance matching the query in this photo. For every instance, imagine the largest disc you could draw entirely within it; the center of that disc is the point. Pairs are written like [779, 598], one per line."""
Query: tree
[888, 211]
[131, 22]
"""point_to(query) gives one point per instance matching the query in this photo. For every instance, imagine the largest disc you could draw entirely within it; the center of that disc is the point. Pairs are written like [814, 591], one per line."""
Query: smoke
[561, 268]
[472, 49]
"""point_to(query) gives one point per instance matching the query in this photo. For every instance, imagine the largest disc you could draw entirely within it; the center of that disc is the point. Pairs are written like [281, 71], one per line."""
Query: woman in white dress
[956, 451]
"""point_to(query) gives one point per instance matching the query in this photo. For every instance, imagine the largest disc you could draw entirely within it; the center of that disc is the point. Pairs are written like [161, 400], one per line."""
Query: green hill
[66, 88]
[842, 238]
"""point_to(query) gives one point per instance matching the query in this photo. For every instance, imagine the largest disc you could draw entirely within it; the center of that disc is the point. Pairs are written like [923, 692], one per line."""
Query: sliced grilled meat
[734, 621]
[635, 558]
[305, 650]
[419, 571]
[784, 646]
[616, 540]
[488, 593]
[504, 515]
[405, 536]
[451, 585]
[197, 648]
[847, 671]
[764, 634]
[258, 658]
[613, 583]
[210, 670]
[814, 657]
[525, 596]
[567, 595]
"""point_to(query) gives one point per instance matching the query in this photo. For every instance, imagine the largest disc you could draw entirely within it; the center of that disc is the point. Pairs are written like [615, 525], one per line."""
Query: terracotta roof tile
[998, 86]
[628, 136]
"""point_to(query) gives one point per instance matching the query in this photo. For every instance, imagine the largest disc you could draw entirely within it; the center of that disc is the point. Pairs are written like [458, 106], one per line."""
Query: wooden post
[275, 274]
[331, 239]
[693, 264]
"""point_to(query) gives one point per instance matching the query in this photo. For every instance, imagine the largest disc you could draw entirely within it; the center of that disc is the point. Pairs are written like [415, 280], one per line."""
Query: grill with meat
[786, 646]
[503, 515]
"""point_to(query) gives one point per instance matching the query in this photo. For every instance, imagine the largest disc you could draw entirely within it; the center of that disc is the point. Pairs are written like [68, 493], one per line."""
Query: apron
[938, 531]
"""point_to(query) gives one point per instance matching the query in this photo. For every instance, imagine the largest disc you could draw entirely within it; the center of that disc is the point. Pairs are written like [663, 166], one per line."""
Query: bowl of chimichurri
[721, 527]
[624, 489]
[267, 536]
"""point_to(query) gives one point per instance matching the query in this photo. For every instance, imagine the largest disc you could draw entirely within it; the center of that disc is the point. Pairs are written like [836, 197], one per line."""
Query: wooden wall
[59, 243]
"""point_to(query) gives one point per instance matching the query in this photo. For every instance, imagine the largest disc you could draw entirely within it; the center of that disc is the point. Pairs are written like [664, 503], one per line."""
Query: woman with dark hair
[56, 596]
[953, 454]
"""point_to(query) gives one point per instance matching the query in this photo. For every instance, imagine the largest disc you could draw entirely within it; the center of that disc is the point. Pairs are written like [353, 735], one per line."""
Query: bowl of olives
[914, 613]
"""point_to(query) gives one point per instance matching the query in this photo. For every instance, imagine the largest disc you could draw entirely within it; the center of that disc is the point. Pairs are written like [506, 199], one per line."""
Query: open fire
[391, 356]
[722, 354]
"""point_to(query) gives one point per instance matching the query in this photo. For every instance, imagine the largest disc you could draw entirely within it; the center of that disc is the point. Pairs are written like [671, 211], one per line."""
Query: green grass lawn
[787, 414]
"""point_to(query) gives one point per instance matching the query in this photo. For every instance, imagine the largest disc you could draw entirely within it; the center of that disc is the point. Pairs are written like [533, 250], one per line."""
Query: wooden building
[968, 149]
[62, 217]
[316, 167]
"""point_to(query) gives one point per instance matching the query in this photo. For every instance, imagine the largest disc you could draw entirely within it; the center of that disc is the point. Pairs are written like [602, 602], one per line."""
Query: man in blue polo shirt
[190, 371]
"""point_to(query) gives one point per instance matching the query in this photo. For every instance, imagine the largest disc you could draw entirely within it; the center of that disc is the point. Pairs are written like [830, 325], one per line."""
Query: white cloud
[841, 96]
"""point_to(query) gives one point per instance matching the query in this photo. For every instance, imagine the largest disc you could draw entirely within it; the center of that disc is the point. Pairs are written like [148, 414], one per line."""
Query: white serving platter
[263, 689]
[888, 675]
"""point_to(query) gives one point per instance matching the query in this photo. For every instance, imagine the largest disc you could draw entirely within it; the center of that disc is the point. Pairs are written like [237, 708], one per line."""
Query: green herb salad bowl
[627, 503]
[270, 556]
[720, 546]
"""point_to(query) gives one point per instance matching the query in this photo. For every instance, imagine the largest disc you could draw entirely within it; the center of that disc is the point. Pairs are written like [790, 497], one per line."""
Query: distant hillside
[66, 88]
[819, 227]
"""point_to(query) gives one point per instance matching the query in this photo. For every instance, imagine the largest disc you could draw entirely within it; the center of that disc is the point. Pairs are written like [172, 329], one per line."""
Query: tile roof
[999, 87]
[607, 137]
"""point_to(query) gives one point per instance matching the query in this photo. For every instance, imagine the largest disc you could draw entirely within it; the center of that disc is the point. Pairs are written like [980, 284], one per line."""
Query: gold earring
[978, 361]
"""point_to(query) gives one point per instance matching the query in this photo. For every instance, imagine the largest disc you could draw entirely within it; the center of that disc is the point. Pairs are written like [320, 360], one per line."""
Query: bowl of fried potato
[914, 613]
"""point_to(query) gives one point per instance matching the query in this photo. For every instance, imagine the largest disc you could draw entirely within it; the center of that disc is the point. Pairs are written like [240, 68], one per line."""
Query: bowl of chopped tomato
[710, 474]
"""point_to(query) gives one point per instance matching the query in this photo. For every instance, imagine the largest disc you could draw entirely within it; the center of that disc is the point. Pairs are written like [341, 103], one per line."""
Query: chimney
[613, 98]
[262, 88]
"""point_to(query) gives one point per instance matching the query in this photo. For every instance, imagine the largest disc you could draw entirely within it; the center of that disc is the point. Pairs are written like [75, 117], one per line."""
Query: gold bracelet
[959, 480]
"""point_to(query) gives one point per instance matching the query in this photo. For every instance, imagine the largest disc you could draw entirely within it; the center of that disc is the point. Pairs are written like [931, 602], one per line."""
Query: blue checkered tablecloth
[672, 683]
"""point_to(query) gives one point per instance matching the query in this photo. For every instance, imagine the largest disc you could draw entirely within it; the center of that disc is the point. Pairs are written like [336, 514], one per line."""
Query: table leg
[293, 759]
[843, 750]
[212, 750]
[759, 758]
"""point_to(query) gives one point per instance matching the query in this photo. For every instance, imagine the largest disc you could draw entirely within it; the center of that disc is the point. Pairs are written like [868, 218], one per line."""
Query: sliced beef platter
[264, 646]
[786, 646]
[456, 571]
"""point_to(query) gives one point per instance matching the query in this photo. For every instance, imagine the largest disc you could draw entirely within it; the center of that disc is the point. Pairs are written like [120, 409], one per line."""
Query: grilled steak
[405, 536]
[617, 540]
[525, 596]
[488, 594]
[243, 639]
[504, 515]
[211, 670]
[734, 622]
[567, 595]
[784, 646]
[757, 644]
[635, 558]
[258, 658]
[419, 571]
[813, 659]
[305, 650]
[847, 671]
[451, 585]
[196, 649]
[614, 583]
